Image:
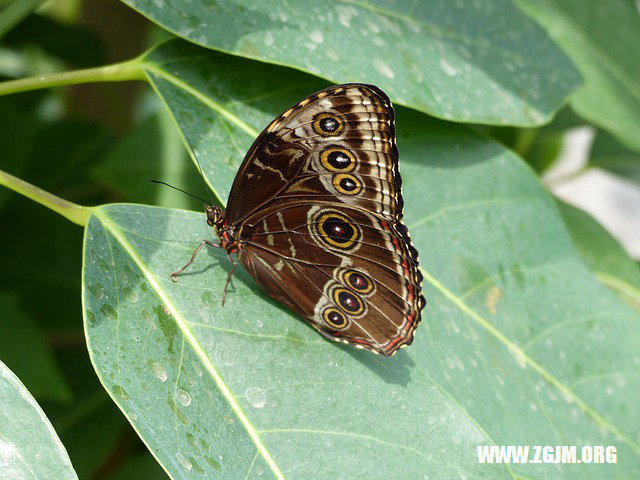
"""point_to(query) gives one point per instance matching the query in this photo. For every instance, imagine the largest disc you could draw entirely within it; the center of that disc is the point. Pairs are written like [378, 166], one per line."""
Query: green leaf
[602, 253]
[608, 153]
[482, 62]
[520, 344]
[245, 389]
[597, 36]
[29, 447]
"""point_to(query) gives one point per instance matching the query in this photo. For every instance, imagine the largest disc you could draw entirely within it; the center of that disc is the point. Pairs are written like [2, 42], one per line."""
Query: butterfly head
[215, 218]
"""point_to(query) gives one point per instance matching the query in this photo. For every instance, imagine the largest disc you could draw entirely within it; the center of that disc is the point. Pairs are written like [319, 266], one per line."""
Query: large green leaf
[247, 389]
[29, 447]
[598, 36]
[480, 61]
[520, 343]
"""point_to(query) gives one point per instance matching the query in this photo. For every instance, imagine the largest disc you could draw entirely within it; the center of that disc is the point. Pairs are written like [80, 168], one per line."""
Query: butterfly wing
[335, 145]
[350, 273]
[317, 209]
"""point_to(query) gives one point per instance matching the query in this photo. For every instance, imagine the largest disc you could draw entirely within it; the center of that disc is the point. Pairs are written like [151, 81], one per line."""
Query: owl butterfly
[315, 217]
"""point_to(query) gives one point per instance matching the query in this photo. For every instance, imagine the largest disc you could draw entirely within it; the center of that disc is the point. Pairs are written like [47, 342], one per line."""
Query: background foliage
[531, 330]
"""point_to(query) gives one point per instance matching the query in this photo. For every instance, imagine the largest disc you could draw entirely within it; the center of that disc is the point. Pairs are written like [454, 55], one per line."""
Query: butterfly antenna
[178, 189]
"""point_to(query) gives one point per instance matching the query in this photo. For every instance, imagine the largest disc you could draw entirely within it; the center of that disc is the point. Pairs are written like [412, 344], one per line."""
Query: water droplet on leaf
[256, 396]
[183, 397]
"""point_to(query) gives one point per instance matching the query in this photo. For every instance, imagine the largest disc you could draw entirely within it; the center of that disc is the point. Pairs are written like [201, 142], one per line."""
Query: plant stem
[76, 213]
[129, 70]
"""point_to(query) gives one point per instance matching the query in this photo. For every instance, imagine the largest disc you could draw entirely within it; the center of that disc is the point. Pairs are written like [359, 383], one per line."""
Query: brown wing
[317, 209]
[350, 273]
[336, 145]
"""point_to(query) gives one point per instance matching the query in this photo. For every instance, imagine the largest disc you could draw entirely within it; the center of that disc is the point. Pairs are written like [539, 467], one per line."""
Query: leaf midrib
[181, 322]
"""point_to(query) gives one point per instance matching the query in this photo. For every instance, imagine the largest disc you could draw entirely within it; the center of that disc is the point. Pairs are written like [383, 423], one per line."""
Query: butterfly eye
[337, 230]
[326, 124]
[329, 124]
[347, 184]
[337, 159]
[348, 301]
[334, 318]
[358, 281]
[213, 213]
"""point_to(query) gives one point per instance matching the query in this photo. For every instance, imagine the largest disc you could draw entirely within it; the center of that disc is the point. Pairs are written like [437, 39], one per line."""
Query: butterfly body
[315, 217]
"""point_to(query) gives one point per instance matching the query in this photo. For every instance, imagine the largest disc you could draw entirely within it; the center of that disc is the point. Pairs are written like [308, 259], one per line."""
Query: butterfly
[315, 216]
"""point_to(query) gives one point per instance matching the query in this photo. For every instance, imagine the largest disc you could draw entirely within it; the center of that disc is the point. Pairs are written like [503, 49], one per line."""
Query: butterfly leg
[174, 275]
[224, 292]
